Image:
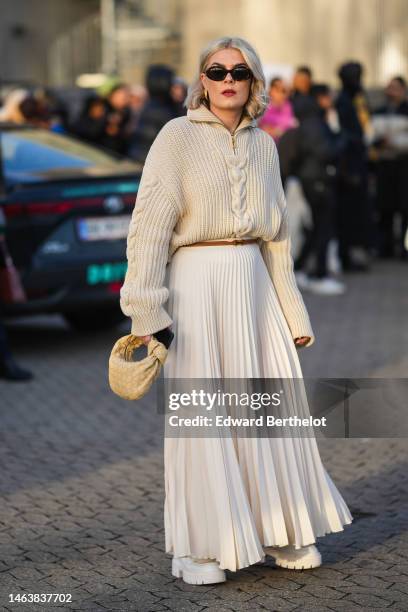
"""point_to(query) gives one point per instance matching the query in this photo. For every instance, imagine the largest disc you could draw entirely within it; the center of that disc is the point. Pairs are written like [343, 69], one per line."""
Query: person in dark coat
[117, 135]
[301, 88]
[311, 152]
[159, 109]
[91, 123]
[9, 368]
[352, 187]
[178, 92]
[392, 168]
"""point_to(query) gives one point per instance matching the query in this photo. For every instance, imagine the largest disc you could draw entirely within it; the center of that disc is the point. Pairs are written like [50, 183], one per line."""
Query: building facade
[53, 41]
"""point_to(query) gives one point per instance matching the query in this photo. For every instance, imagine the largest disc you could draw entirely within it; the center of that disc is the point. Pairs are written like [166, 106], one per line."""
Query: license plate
[103, 228]
[106, 272]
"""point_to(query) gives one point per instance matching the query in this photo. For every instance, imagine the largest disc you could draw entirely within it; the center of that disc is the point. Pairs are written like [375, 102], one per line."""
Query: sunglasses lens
[216, 74]
[241, 74]
[238, 74]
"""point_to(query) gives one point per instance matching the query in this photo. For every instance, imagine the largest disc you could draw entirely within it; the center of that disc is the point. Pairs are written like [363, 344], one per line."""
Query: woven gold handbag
[133, 379]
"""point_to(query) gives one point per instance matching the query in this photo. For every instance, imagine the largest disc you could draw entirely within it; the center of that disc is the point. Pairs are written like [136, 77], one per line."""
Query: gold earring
[206, 94]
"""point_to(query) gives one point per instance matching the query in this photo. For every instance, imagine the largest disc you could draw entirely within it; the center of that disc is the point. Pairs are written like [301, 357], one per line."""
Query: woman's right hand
[145, 339]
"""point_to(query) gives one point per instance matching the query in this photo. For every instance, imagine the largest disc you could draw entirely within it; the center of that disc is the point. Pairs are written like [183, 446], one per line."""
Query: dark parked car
[68, 207]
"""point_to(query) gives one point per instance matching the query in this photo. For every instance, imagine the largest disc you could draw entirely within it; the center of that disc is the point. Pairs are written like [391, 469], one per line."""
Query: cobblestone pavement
[81, 478]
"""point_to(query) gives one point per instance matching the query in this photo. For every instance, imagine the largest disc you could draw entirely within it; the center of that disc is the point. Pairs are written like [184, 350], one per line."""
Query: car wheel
[98, 319]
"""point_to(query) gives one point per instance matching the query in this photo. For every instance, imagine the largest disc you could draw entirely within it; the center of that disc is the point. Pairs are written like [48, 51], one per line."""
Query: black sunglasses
[218, 73]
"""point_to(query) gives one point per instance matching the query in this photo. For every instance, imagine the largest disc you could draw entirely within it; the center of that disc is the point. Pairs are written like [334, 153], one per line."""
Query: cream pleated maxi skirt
[225, 499]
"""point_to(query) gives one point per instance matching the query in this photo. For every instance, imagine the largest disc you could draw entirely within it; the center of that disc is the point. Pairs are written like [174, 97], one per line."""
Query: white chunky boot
[289, 557]
[200, 571]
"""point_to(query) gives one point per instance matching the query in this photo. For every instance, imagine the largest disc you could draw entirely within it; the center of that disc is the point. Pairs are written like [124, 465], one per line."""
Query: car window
[35, 151]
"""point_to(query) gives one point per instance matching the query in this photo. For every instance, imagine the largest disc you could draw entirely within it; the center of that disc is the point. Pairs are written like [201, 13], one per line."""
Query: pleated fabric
[226, 498]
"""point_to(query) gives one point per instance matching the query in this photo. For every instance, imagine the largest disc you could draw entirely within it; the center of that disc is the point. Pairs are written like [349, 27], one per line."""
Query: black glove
[165, 336]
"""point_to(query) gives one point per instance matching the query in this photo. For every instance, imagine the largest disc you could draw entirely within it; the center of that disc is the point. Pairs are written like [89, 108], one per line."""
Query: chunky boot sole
[297, 565]
[190, 577]
[309, 561]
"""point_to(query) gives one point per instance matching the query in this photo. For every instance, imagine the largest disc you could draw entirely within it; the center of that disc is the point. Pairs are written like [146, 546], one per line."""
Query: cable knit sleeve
[279, 262]
[154, 216]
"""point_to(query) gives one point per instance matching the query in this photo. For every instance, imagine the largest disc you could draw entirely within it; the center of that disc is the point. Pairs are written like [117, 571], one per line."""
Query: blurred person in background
[178, 92]
[9, 369]
[314, 148]
[390, 123]
[301, 84]
[40, 108]
[116, 135]
[278, 116]
[138, 98]
[55, 108]
[158, 110]
[302, 81]
[91, 123]
[35, 113]
[10, 110]
[352, 184]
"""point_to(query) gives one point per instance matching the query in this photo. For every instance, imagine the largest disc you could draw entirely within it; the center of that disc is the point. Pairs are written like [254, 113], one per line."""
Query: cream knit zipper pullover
[200, 182]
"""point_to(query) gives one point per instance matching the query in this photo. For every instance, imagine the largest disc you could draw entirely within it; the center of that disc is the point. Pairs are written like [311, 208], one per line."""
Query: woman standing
[278, 117]
[211, 203]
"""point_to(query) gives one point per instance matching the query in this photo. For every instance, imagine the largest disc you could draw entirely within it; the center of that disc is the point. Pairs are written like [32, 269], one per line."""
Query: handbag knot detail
[132, 379]
[158, 350]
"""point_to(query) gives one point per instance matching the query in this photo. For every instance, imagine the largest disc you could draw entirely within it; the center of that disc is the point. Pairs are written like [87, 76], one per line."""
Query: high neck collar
[203, 114]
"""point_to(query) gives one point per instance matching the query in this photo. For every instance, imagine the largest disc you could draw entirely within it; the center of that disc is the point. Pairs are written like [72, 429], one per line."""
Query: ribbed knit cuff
[150, 322]
[302, 327]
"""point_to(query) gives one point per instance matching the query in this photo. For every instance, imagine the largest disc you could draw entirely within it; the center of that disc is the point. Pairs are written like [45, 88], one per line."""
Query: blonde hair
[257, 99]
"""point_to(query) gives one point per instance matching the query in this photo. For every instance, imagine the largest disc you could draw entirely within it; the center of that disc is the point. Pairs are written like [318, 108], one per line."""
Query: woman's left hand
[302, 340]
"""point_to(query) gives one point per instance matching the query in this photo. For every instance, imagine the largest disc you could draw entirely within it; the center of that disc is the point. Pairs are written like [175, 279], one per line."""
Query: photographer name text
[260, 421]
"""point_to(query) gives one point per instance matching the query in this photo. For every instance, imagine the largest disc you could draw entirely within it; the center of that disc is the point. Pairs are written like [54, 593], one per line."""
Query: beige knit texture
[200, 183]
